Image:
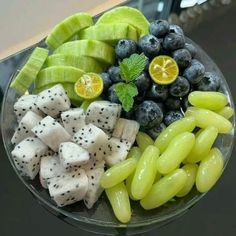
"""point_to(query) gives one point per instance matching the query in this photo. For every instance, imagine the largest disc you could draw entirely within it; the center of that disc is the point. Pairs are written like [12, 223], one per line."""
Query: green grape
[205, 118]
[186, 124]
[145, 172]
[119, 200]
[164, 190]
[209, 171]
[134, 152]
[226, 112]
[158, 177]
[143, 140]
[118, 173]
[175, 153]
[203, 144]
[191, 171]
[208, 100]
[128, 183]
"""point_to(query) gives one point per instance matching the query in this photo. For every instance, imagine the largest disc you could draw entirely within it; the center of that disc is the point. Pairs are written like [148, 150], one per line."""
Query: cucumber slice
[58, 74]
[127, 15]
[86, 64]
[66, 29]
[69, 88]
[109, 33]
[91, 48]
[30, 70]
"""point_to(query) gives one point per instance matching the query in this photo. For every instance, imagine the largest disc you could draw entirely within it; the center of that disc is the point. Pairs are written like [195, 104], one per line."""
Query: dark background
[214, 215]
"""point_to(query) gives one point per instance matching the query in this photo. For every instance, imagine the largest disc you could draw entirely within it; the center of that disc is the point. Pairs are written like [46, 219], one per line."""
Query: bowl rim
[117, 224]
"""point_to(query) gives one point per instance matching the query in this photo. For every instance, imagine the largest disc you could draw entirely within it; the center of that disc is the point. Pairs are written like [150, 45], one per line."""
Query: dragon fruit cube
[51, 133]
[49, 167]
[73, 120]
[27, 154]
[69, 187]
[72, 155]
[24, 104]
[29, 121]
[92, 139]
[103, 114]
[53, 101]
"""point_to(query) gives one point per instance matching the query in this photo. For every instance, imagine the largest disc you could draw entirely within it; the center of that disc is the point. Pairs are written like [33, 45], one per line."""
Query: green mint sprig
[130, 69]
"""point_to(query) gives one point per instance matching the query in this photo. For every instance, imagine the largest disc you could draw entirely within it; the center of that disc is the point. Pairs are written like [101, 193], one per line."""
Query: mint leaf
[126, 94]
[131, 68]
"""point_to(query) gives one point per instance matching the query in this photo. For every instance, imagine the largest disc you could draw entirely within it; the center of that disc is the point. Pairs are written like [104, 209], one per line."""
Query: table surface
[214, 215]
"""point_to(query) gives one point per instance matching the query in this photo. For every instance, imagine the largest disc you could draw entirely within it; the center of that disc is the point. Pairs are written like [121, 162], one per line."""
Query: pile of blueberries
[157, 106]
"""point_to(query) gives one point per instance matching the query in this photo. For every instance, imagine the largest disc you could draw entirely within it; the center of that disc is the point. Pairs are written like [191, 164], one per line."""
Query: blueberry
[112, 96]
[159, 28]
[180, 87]
[114, 73]
[194, 72]
[125, 48]
[176, 29]
[155, 131]
[158, 92]
[173, 103]
[185, 103]
[106, 81]
[148, 114]
[209, 82]
[182, 57]
[191, 49]
[172, 116]
[162, 106]
[143, 82]
[149, 45]
[130, 114]
[173, 41]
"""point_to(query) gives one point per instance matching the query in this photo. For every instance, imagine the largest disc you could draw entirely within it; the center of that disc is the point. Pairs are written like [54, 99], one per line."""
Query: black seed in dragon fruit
[126, 130]
[49, 167]
[73, 120]
[29, 121]
[69, 187]
[94, 188]
[53, 101]
[103, 114]
[93, 164]
[118, 151]
[24, 104]
[72, 155]
[93, 140]
[27, 154]
[51, 133]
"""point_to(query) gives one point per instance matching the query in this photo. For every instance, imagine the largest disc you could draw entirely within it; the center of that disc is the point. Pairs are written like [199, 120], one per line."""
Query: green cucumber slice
[66, 29]
[30, 70]
[127, 15]
[86, 64]
[109, 33]
[58, 74]
[91, 48]
[69, 88]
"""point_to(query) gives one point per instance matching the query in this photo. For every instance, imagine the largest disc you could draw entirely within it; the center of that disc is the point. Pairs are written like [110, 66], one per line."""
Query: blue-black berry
[173, 103]
[143, 82]
[191, 49]
[180, 87]
[158, 92]
[172, 116]
[111, 95]
[114, 73]
[125, 48]
[176, 29]
[173, 41]
[159, 28]
[209, 82]
[182, 57]
[155, 131]
[106, 81]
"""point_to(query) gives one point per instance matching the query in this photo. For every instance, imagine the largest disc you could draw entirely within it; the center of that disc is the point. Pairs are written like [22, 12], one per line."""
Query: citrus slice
[89, 86]
[163, 70]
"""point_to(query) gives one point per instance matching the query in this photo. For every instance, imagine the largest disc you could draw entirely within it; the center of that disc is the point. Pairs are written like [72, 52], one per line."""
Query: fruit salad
[121, 106]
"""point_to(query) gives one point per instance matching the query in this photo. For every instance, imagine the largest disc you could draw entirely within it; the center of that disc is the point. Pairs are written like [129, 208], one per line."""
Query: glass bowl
[100, 219]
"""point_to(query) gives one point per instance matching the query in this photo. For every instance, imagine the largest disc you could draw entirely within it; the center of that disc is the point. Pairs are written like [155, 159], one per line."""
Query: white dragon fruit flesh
[93, 164]
[93, 140]
[24, 104]
[94, 188]
[49, 167]
[103, 114]
[126, 130]
[51, 133]
[73, 120]
[53, 101]
[72, 155]
[69, 187]
[118, 151]
[27, 154]
[29, 121]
